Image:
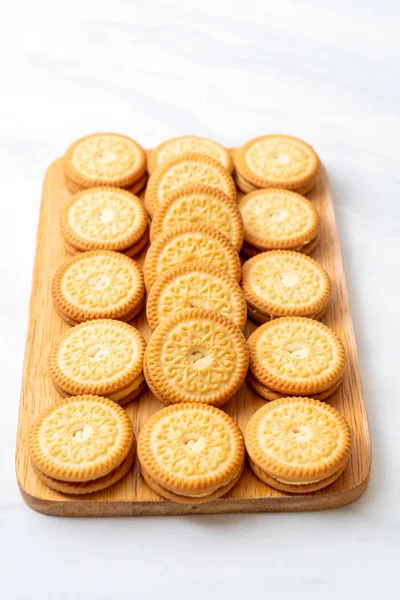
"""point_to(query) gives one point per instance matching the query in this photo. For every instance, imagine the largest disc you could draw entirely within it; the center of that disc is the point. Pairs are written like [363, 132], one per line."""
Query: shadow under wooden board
[131, 496]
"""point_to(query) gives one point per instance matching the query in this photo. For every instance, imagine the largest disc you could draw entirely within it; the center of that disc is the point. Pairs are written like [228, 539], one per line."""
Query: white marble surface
[325, 71]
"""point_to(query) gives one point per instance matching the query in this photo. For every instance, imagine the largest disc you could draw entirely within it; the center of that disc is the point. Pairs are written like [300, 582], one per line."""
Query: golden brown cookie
[296, 356]
[298, 445]
[277, 161]
[185, 169]
[98, 285]
[104, 159]
[94, 485]
[268, 394]
[195, 203]
[189, 143]
[196, 285]
[282, 283]
[278, 219]
[104, 219]
[191, 452]
[102, 357]
[80, 439]
[196, 355]
[197, 242]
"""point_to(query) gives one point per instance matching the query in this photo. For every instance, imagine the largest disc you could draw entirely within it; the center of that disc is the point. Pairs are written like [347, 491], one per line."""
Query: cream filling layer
[208, 493]
[126, 391]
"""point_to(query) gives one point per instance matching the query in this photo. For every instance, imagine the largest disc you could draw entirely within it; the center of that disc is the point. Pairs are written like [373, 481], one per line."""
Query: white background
[325, 71]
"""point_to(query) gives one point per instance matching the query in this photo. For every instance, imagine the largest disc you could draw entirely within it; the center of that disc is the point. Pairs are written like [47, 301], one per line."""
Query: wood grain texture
[131, 496]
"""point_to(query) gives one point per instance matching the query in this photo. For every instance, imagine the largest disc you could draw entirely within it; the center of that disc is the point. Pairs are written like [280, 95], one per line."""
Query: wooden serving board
[131, 496]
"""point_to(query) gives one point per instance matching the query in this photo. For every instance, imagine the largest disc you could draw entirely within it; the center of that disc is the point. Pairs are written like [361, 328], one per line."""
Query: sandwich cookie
[298, 445]
[196, 242]
[282, 283]
[81, 444]
[104, 219]
[195, 203]
[196, 285]
[295, 356]
[196, 355]
[189, 143]
[276, 161]
[98, 285]
[191, 453]
[104, 159]
[278, 219]
[182, 170]
[102, 357]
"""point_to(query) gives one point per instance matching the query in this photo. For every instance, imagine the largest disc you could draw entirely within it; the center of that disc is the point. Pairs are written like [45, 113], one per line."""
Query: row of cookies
[196, 321]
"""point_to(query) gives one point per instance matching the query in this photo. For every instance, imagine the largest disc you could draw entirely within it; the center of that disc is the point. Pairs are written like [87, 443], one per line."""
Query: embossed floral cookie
[196, 285]
[297, 445]
[196, 355]
[98, 285]
[195, 203]
[189, 143]
[295, 356]
[81, 444]
[278, 219]
[282, 283]
[104, 159]
[102, 357]
[191, 453]
[104, 219]
[197, 242]
[276, 161]
[185, 169]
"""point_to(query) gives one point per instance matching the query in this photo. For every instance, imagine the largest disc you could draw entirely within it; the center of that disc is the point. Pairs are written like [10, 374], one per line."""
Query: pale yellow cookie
[94, 485]
[189, 143]
[296, 442]
[296, 356]
[278, 219]
[185, 169]
[195, 203]
[196, 285]
[98, 285]
[191, 452]
[80, 439]
[196, 355]
[104, 219]
[104, 159]
[197, 242]
[282, 283]
[277, 161]
[102, 357]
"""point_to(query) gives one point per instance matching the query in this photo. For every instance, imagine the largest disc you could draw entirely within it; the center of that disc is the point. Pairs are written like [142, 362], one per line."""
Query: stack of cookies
[105, 159]
[198, 300]
[276, 161]
[81, 445]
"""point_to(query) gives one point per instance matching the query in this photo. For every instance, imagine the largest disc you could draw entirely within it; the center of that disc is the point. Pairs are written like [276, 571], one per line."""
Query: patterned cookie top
[196, 355]
[191, 449]
[189, 143]
[97, 357]
[98, 285]
[278, 161]
[283, 283]
[103, 219]
[105, 159]
[298, 439]
[185, 169]
[80, 438]
[296, 355]
[278, 219]
[195, 242]
[196, 285]
[196, 203]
